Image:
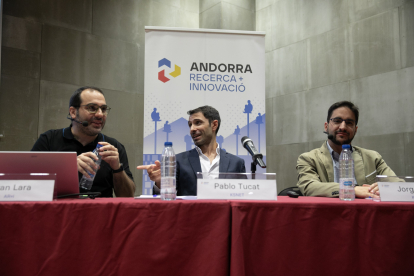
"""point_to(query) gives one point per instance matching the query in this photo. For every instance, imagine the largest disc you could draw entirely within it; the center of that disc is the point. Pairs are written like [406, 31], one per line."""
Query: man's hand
[123, 185]
[153, 170]
[366, 190]
[110, 155]
[374, 189]
[86, 163]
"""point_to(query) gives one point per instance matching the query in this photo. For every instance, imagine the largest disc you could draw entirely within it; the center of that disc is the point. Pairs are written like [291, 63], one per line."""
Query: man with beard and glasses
[88, 112]
[318, 170]
[204, 123]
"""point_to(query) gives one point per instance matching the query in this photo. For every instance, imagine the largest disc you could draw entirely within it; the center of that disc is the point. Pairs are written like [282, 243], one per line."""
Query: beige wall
[228, 14]
[322, 51]
[50, 48]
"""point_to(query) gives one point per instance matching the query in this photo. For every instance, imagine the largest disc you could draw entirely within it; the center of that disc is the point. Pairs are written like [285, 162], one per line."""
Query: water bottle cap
[346, 146]
[99, 146]
[168, 144]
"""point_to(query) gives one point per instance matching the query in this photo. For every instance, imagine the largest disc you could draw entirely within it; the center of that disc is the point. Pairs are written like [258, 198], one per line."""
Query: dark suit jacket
[188, 164]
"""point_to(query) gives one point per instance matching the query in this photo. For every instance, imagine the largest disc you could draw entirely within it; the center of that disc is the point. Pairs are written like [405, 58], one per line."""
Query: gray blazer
[316, 175]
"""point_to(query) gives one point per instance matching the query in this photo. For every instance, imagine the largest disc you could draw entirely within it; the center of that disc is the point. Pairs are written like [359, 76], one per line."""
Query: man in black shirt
[88, 112]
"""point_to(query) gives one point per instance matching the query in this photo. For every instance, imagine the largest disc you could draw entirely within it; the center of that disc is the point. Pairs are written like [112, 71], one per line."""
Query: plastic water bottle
[168, 188]
[346, 174]
[85, 182]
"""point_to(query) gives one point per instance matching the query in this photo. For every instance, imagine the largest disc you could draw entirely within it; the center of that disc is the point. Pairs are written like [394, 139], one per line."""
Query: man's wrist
[121, 169]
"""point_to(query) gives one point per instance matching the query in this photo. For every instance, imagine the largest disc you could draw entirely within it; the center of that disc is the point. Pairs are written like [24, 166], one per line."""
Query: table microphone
[249, 146]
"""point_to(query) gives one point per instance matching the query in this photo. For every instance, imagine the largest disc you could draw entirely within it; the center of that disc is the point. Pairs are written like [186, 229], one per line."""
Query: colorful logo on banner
[161, 74]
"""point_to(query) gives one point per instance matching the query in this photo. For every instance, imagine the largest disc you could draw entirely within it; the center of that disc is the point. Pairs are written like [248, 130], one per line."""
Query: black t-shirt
[63, 140]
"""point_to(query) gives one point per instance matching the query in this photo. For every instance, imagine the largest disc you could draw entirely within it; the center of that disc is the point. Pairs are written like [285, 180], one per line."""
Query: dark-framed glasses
[338, 121]
[93, 108]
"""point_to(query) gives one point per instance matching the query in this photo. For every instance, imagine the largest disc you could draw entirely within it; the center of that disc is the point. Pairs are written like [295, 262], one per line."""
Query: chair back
[295, 189]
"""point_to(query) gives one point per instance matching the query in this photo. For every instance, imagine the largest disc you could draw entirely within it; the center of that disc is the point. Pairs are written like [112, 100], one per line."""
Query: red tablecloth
[115, 237]
[304, 236]
[322, 236]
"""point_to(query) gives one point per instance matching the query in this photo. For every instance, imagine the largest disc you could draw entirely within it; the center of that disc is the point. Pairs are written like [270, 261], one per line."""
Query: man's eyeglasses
[338, 121]
[93, 108]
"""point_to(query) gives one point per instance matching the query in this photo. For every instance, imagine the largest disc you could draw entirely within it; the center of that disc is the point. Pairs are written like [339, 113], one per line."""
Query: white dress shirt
[335, 161]
[206, 165]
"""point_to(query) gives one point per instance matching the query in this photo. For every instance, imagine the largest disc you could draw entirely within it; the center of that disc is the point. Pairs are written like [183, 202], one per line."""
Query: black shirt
[63, 140]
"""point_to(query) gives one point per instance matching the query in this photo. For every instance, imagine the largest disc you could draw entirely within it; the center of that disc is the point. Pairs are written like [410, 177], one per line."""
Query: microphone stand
[253, 168]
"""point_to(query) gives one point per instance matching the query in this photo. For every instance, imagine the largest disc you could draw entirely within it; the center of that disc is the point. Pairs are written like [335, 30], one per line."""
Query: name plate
[396, 191]
[26, 190]
[236, 189]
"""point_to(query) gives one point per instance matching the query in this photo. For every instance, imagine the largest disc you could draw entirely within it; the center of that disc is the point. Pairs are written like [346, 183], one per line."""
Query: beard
[90, 130]
[200, 142]
[205, 140]
[339, 143]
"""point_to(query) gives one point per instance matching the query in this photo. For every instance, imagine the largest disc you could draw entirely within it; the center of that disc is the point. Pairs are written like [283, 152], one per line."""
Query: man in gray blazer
[204, 123]
[318, 170]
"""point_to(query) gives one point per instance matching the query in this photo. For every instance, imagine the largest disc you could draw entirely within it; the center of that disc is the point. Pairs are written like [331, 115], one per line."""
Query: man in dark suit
[207, 157]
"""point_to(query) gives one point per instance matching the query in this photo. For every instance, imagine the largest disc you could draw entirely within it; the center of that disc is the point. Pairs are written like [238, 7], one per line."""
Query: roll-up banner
[189, 68]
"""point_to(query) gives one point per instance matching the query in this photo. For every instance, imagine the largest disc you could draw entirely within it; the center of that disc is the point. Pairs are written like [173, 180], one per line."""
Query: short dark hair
[350, 105]
[209, 112]
[76, 101]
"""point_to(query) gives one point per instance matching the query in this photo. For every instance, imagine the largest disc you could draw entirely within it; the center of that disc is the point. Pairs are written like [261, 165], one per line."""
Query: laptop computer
[63, 164]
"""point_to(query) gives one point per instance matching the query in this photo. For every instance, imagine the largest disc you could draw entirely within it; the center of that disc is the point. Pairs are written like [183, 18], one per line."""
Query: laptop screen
[63, 164]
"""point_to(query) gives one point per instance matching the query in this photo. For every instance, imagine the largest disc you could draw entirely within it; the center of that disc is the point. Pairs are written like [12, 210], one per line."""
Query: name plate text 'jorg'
[396, 191]
[236, 189]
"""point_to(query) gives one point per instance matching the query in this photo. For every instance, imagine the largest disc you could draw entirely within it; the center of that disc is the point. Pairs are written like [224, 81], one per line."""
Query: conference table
[126, 236]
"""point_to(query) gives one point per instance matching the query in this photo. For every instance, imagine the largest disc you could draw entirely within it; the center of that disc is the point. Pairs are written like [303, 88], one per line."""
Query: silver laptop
[63, 164]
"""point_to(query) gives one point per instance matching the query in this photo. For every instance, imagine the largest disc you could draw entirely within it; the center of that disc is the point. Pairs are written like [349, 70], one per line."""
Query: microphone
[330, 136]
[84, 123]
[249, 146]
